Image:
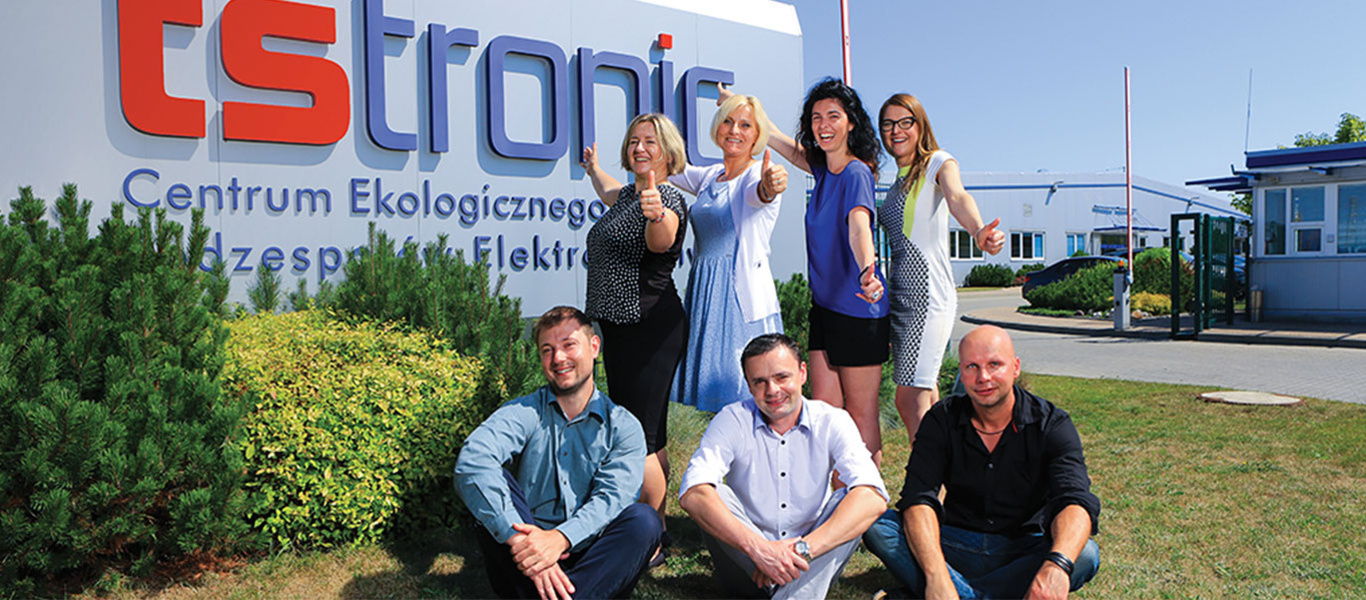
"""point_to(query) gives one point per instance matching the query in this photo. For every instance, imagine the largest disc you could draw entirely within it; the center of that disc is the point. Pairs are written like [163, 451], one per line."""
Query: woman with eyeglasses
[923, 297]
[849, 329]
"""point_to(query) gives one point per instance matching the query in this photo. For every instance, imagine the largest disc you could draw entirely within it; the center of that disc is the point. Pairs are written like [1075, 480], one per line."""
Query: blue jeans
[607, 567]
[982, 565]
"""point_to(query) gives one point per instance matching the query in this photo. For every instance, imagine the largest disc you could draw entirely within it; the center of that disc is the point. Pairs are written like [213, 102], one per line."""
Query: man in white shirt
[759, 483]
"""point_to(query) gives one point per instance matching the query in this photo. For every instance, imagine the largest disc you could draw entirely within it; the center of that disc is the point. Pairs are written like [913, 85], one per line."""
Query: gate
[1213, 286]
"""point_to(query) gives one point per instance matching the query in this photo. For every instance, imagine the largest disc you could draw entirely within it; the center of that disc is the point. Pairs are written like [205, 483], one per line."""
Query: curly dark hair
[863, 141]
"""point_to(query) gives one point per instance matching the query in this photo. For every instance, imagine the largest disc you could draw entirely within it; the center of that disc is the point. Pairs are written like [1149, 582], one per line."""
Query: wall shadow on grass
[435, 564]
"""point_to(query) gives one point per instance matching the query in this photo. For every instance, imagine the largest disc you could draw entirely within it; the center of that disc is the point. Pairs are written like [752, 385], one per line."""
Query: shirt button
[783, 474]
[991, 465]
[783, 505]
[991, 521]
[783, 533]
[782, 443]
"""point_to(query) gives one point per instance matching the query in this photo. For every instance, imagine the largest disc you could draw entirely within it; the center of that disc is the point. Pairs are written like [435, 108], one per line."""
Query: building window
[962, 246]
[1273, 220]
[1352, 219]
[1076, 242]
[1026, 245]
[1306, 218]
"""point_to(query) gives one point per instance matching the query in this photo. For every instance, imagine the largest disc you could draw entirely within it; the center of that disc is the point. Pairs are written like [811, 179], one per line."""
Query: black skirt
[641, 359]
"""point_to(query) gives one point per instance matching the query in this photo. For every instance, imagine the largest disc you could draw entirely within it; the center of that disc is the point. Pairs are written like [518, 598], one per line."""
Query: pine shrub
[117, 442]
[264, 294]
[354, 427]
[1027, 269]
[436, 290]
[990, 276]
[299, 298]
[794, 301]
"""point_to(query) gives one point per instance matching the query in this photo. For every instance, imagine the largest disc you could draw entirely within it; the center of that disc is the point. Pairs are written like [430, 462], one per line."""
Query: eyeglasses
[904, 123]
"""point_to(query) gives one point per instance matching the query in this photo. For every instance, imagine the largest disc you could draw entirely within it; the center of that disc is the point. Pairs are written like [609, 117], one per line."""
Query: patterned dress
[920, 283]
[632, 297]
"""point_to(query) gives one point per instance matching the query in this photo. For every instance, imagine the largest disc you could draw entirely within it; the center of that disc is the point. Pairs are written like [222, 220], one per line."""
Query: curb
[1063, 329]
[1227, 337]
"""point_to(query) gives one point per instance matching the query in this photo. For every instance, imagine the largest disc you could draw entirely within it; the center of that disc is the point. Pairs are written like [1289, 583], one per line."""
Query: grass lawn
[1198, 500]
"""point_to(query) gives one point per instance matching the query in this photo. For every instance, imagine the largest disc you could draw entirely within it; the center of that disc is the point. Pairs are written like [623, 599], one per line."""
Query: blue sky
[1025, 86]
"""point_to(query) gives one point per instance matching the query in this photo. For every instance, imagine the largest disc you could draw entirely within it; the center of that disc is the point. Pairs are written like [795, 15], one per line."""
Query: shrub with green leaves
[1153, 273]
[354, 429]
[1090, 289]
[435, 290]
[1153, 304]
[118, 445]
[948, 374]
[990, 276]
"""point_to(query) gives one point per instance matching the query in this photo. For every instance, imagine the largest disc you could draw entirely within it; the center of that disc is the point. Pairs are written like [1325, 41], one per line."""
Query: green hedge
[118, 445]
[354, 429]
[1090, 289]
[990, 276]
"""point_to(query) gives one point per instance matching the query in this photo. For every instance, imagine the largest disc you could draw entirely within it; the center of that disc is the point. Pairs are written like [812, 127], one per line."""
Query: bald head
[988, 366]
[989, 336]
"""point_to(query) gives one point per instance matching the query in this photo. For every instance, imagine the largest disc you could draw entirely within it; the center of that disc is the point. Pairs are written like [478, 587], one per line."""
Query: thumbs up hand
[723, 93]
[589, 162]
[990, 239]
[651, 206]
[774, 179]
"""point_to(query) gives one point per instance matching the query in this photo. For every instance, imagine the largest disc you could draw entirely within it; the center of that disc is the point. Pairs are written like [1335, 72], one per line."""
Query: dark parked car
[1059, 271]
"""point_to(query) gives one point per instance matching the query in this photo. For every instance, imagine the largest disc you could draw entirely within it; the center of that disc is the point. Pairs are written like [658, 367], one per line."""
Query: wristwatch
[803, 549]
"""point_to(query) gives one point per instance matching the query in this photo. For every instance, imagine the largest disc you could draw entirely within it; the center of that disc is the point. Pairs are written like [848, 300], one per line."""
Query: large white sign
[294, 125]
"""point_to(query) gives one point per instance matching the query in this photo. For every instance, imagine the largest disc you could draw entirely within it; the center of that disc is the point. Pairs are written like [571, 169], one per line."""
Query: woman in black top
[632, 252]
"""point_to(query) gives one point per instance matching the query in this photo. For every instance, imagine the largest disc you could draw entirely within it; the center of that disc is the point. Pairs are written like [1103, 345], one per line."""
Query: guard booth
[1210, 296]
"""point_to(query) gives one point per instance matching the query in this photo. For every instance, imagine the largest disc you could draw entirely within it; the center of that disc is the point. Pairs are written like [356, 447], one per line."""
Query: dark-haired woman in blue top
[838, 145]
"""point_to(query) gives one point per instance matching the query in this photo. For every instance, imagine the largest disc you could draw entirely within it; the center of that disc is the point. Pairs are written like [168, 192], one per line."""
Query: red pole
[844, 35]
[1128, 179]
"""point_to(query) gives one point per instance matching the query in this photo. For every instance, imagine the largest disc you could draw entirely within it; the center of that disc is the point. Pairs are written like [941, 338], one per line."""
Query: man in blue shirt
[553, 478]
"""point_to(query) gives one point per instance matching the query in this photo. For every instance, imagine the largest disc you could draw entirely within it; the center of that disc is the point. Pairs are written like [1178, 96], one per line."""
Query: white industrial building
[1048, 216]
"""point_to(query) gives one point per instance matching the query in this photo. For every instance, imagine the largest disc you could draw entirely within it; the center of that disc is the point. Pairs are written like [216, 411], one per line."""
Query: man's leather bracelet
[1061, 560]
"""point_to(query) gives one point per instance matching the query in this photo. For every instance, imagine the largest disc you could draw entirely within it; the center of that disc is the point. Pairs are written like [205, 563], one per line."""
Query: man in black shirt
[1018, 511]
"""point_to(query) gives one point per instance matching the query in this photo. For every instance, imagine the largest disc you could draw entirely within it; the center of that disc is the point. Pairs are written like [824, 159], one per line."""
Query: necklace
[985, 432]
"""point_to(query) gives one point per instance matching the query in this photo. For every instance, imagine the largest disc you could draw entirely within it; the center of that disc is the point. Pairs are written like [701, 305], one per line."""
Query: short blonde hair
[760, 120]
[670, 141]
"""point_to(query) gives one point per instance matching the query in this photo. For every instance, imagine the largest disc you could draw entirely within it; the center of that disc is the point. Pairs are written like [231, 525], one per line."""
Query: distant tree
[1242, 201]
[1350, 129]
